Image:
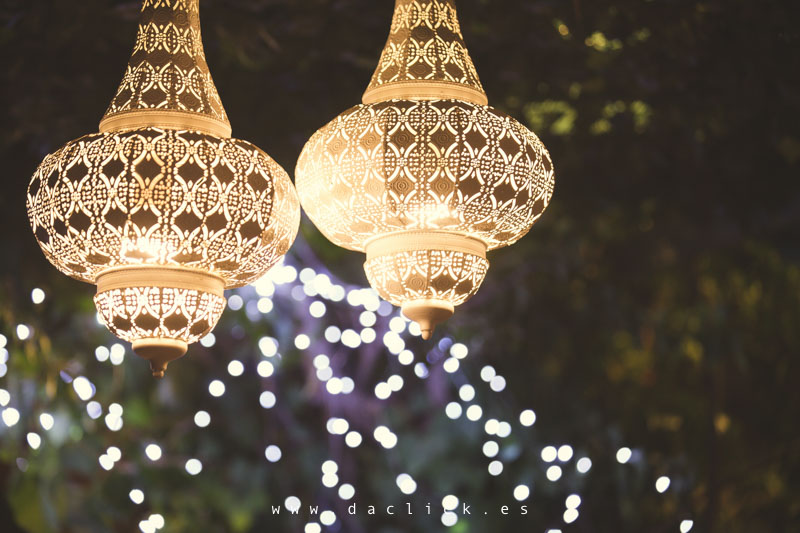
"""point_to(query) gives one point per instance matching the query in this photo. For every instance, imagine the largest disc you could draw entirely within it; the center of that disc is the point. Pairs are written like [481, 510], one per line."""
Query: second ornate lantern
[162, 209]
[423, 176]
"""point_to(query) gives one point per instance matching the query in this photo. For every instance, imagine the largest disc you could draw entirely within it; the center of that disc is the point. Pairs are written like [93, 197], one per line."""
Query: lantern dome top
[167, 82]
[425, 57]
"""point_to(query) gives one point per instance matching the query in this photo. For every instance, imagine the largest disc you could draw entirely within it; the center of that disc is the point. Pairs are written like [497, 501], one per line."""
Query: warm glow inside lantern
[162, 209]
[423, 176]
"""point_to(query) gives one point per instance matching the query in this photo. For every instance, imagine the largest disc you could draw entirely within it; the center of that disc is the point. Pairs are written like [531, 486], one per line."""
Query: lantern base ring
[415, 240]
[166, 119]
[176, 277]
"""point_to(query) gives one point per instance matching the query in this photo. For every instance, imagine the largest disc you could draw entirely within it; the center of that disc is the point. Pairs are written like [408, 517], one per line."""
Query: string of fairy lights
[307, 284]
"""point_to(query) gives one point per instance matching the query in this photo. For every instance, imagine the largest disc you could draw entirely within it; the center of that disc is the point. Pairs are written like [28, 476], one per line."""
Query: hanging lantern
[423, 176]
[162, 209]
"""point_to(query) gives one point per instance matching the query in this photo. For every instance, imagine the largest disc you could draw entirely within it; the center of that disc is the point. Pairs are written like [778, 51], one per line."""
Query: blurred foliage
[655, 305]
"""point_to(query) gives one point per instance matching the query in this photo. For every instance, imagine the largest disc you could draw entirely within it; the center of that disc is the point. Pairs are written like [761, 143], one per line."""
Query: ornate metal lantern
[423, 176]
[162, 209]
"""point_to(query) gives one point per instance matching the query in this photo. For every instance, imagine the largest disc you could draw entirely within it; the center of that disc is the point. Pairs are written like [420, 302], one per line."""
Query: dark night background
[656, 304]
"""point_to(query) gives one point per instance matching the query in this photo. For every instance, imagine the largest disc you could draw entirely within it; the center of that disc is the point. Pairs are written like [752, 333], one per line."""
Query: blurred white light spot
[662, 484]
[321, 361]
[490, 448]
[153, 452]
[450, 365]
[193, 467]
[330, 467]
[414, 329]
[421, 370]
[367, 319]
[5, 397]
[264, 305]
[95, 410]
[208, 340]
[157, 520]
[216, 388]
[570, 515]
[348, 385]
[553, 473]
[584, 464]
[312, 527]
[383, 390]
[498, 383]
[453, 410]
[495, 468]
[302, 341]
[37, 295]
[3, 341]
[491, 425]
[333, 334]
[351, 339]
[521, 493]
[624, 455]
[330, 480]
[236, 368]
[317, 309]
[47, 421]
[106, 462]
[346, 491]
[23, 332]
[202, 419]
[10, 416]
[136, 496]
[449, 502]
[115, 409]
[406, 357]
[449, 518]
[406, 484]
[389, 441]
[368, 335]
[573, 501]
[474, 412]
[113, 422]
[527, 417]
[466, 393]
[267, 399]
[327, 517]
[334, 386]
[549, 454]
[235, 302]
[686, 526]
[83, 388]
[101, 353]
[268, 346]
[146, 527]
[397, 324]
[503, 430]
[395, 382]
[565, 453]
[292, 503]
[114, 453]
[340, 426]
[459, 351]
[265, 369]
[34, 440]
[324, 374]
[117, 354]
[353, 439]
[273, 453]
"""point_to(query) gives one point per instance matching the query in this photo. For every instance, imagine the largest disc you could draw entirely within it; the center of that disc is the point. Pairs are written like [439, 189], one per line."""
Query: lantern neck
[425, 57]
[167, 82]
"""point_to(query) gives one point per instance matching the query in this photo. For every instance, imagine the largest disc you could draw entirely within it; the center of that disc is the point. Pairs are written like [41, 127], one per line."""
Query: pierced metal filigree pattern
[168, 70]
[441, 165]
[159, 312]
[163, 197]
[425, 44]
[426, 274]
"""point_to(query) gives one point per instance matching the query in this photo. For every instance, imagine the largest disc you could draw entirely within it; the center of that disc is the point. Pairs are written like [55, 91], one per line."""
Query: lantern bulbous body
[424, 177]
[161, 209]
